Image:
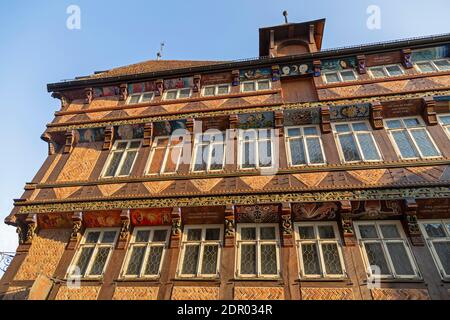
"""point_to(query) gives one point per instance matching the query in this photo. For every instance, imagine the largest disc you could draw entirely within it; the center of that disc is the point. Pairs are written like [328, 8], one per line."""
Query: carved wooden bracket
[230, 226]
[77, 224]
[124, 229]
[325, 119]
[235, 74]
[123, 92]
[317, 66]
[233, 121]
[197, 82]
[51, 144]
[148, 134]
[175, 237]
[64, 100]
[348, 231]
[70, 141]
[376, 115]
[279, 122]
[276, 73]
[159, 87]
[361, 64]
[30, 228]
[109, 138]
[88, 95]
[428, 113]
[406, 58]
[190, 125]
[410, 222]
[286, 224]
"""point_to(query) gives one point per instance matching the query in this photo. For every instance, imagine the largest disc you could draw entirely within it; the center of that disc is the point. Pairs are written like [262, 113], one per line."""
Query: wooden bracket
[175, 236]
[197, 82]
[230, 226]
[410, 223]
[376, 115]
[286, 224]
[276, 73]
[235, 74]
[348, 231]
[159, 87]
[406, 58]
[123, 92]
[109, 138]
[70, 140]
[88, 95]
[279, 122]
[148, 134]
[325, 119]
[428, 113]
[124, 229]
[77, 225]
[317, 66]
[361, 64]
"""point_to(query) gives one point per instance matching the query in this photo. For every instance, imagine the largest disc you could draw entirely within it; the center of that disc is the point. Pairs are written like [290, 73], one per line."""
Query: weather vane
[285, 14]
[159, 53]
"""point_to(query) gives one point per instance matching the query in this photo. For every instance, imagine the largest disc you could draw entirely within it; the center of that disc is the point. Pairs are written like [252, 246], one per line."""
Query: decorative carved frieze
[314, 211]
[257, 213]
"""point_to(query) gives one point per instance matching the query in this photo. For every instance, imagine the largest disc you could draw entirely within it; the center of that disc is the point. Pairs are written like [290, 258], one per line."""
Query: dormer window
[216, 90]
[174, 94]
[140, 98]
[433, 65]
[340, 76]
[393, 70]
[256, 85]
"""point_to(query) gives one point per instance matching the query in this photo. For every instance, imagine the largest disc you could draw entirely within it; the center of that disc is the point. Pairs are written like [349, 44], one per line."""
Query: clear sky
[37, 48]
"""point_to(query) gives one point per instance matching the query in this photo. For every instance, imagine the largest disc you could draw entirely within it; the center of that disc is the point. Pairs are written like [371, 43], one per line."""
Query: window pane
[445, 120]
[185, 93]
[135, 262]
[306, 232]
[314, 150]
[376, 257]
[297, 151]
[201, 156]
[326, 232]
[332, 77]
[209, 91]
[128, 163]
[135, 98]
[311, 131]
[394, 70]
[424, 143]
[114, 164]
[154, 260]
[293, 132]
[209, 262]
[170, 95]
[411, 122]
[360, 126]
[425, 67]
[435, 230]
[223, 89]
[443, 65]
[267, 233]
[443, 252]
[348, 75]
[269, 259]
[212, 234]
[368, 147]
[378, 72]
[349, 148]
[121, 145]
[142, 236]
[389, 231]
[368, 232]
[92, 237]
[83, 260]
[135, 144]
[263, 85]
[265, 153]
[190, 260]
[400, 259]
[249, 86]
[100, 261]
[248, 259]
[404, 145]
[109, 236]
[146, 97]
[331, 258]
[173, 157]
[248, 155]
[394, 124]
[194, 234]
[159, 236]
[217, 157]
[310, 259]
[157, 160]
[248, 234]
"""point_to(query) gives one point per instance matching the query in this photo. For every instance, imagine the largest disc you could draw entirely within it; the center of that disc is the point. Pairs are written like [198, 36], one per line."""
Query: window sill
[196, 279]
[416, 280]
[240, 279]
[325, 280]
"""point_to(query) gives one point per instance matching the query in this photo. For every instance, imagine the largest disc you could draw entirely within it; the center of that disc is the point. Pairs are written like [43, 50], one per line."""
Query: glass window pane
[332, 77]
[128, 163]
[157, 160]
[170, 95]
[263, 85]
[83, 260]
[424, 143]
[297, 151]
[310, 259]
[223, 89]
[201, 157]
[326, 232]
[267, 233]
[135, 262]
[248, 259]
[92, 237]
[249, 86]
[265, 153]
[109, 236]
[173, 158]
[154, 260]
[142, 236]
[368, 232]
[100, 261]
[400, 259]
[135, 98]
[217, 157]
[342, 128]
[443, 253]
[185, 93]
[405, 146]
[445, 120]
[360, 126]
[368, 147]
[435, 230]
[269, 259]
[159, 236]
[293, 132]
[212, 234]
[248, 233]
[331, 258]
[310, 131]
[394, 70]
[376, 257]
[394, 124]
[443, 65]
[389, 231]
[121, 145]
[348, 75]
[411, 122]
[190, 260]
[349, 149]
[135, 144]
[306, 232]
[377, 72]
[314, 150]
[146, 97]
[114, 164]
[209, 261]
[425, 67]
[209, 91]
[248, 155]
[194, 235]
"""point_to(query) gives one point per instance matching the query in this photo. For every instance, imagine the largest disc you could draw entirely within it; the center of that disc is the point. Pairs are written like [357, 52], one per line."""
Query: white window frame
[210, 145]
[141, 97]
[385, 71]
[167, 148]
[96, 246]
[446, 127]
[318, 242]
[258, 242]
[433, 65]
[203, 242]
[122, 160]
[256, 141]
[420, 126]
[339, 75]
[358, 146]
[216, 90]
[430, 240]
[148, 245]
[303, 139]
[256, 82]
[178, 91]
[380, 239]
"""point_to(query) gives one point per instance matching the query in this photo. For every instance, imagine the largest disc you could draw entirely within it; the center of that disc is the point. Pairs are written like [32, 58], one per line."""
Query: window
[319, 250]
[256, 85]
[304, 146]
[411, 138]
[393, 70]
[444, 120]
[433, 65]
[165, 156]
[258, 250]
[356, 142]
[94, 253]
[340, 76]
[200, 251]
[384, 245]
[146, 252]
[140, 97]
[255, 148]
[121, 159]
[177, 94]
[208, 152]
[437, 236]
[217, 90]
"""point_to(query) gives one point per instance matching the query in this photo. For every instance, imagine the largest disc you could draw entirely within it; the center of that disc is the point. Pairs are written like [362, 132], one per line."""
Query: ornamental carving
[286, 224]
[314, 211]
[377, 209]
[257, 213]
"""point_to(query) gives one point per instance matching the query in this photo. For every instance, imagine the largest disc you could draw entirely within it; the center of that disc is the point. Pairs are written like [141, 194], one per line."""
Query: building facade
[302, 174]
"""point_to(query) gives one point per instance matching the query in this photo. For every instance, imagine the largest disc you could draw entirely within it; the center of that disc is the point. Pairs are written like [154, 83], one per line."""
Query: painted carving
[349, 112]
[101, 219]
[257, 213]
[150, 217]
[314, 211]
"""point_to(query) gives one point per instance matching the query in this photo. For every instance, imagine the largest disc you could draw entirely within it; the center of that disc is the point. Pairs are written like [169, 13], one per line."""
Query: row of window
[207, 91]
[385, 71]
[384, 247]
[257, 148]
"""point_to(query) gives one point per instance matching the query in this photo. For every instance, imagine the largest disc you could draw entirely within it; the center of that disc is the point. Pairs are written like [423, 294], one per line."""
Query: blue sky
[36, 48]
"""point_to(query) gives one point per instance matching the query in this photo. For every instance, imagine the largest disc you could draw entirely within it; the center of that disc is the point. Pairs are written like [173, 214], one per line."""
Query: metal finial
[159, 53]
[285, 14]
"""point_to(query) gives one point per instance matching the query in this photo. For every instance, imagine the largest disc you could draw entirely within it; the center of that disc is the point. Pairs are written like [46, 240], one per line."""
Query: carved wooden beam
[406, 58]
[376, 115]
[286, 224]
[64, 100]
[109, 138]
[77, 225]
[51, 144]
[348, 231]
[428, 113]
[124, 229]
[279, 122]
[325, 119]
[31, 225]
[410, 222]
[230, 226]
[361, 64]
[70, 141]
[175, 236]
[148, 134]
[123, 92]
